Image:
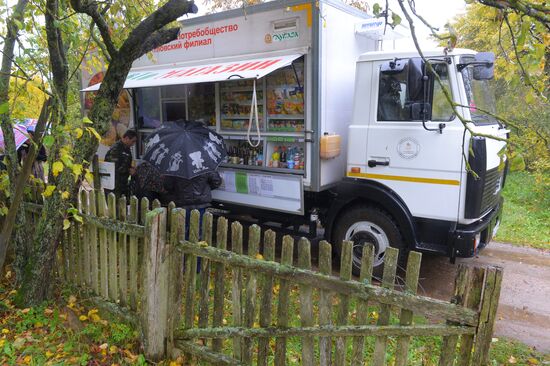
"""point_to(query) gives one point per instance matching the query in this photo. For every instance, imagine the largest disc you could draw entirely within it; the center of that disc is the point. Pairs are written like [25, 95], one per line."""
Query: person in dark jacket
[147, 182]
[121, 154]
[191, 194]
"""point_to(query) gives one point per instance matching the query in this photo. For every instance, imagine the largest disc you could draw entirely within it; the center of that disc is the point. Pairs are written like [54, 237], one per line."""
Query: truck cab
[420, 174]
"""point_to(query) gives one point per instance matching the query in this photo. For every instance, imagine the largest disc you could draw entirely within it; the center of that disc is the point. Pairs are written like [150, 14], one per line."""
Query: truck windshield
[480, 97]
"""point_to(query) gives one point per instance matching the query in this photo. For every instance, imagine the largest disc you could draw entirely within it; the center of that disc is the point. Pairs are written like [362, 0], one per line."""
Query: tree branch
[159, 38]
[539, 12]
[91, 9]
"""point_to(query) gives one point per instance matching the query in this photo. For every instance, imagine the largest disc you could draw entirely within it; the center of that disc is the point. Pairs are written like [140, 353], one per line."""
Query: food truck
[324, 130]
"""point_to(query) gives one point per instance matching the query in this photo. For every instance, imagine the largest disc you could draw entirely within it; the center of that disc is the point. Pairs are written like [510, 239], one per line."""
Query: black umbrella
[184, 149]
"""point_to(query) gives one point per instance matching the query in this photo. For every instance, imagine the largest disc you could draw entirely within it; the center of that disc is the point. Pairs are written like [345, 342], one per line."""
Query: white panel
[341, 48]
[245, 34]
[279, 192]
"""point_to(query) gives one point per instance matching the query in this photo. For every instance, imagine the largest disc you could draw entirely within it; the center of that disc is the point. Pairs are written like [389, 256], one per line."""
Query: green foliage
[526, 210]
[522, 78]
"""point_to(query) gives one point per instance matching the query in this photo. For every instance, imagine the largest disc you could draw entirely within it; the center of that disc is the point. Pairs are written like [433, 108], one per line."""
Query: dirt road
[524, 308]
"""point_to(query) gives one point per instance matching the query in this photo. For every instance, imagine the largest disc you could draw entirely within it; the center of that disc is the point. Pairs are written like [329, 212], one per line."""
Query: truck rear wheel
[365, 225]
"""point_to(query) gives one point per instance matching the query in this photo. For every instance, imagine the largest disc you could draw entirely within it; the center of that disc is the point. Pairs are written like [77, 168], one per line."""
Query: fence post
[487, 315]
[156, 276]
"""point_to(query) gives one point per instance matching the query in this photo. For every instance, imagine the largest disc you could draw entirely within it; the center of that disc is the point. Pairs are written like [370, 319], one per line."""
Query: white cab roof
[388, 55]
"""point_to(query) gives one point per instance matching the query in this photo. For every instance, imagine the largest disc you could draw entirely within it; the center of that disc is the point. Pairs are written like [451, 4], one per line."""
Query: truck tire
[367, 225]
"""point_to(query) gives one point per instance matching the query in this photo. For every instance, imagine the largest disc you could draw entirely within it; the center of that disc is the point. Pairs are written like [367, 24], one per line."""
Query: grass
[526, 216]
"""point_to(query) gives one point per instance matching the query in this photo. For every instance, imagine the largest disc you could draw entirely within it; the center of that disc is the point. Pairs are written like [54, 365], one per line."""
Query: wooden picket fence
[246, 305]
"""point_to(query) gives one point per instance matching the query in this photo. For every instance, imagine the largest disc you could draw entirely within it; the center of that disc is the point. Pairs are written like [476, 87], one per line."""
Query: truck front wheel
[365, 225]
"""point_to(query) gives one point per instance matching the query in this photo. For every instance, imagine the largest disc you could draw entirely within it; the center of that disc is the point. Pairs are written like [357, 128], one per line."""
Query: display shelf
[285, 116]
[262, 168]
[223, 116]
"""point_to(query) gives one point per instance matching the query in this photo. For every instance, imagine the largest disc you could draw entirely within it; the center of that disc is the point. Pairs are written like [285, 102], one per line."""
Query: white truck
[321, 127]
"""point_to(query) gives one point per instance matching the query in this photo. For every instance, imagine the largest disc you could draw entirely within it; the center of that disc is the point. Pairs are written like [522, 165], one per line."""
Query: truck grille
[491, 189]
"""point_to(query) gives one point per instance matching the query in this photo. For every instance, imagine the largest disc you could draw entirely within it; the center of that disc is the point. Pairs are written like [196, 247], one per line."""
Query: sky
[436, 12]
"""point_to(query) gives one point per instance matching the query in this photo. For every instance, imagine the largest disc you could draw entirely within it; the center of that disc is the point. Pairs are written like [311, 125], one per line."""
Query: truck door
[417, 160]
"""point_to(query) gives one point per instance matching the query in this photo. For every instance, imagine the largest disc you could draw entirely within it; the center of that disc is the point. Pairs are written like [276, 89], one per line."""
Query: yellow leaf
[89, 177]
[27, 359]
[65, 195]
[48, 311]
[38, 325]
[93, 132]
[78, 132]
[72, 299]
[66, 224]
[83, 318]
[95, 318]
[203, 244]
[113, 349]
[259, 256]
[77, 169]
[5, 331]
[48, 191]
[533, 361]
[49, 354]
[57, 167]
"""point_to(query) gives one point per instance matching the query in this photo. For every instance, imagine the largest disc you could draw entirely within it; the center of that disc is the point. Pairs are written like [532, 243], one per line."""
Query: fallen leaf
[533, 361]
[5, 331]
[259, 256]
[512, 360]
[49, 354]
[113, 350]
[26, 310]
[48, 311]
[19, 342]
[83, 318]
[103, 346]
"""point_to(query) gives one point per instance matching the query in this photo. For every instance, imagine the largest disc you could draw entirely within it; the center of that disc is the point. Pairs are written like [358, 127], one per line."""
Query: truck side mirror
[421, 111]
[485, 66]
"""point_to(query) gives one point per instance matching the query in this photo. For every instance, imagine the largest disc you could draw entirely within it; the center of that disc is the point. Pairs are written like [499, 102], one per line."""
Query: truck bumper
[468, 240]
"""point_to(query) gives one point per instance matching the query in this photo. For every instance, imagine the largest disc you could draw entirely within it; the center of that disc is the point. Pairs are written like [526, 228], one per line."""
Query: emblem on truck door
[408, 148]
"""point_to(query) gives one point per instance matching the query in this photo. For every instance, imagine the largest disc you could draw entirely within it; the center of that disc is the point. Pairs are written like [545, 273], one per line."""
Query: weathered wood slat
[67, 255]
[406, 317]
[103, 251]
[116, 226]
[249, 315]
[418, 330]
[388, 281]
[325, 304]
[112, 248]
[191, 272]
[204, 276]
[219, 282]
[122, 254]
[266, 297]
[343, 307]
[237, 287]
[306, 302]
[284, 300]
[86, 243]
[418, 304]
[133, 256]
[175, 273]
[365, 276]
[94, 257]
[73, 253]
[207, 355]
[154, 312]
[468, 290]
[487, 315]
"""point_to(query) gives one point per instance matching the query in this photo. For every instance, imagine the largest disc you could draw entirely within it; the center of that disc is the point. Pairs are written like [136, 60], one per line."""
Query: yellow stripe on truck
[401, 178]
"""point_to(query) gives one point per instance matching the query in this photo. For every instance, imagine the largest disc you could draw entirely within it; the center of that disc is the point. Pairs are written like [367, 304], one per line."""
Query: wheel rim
[367, 233]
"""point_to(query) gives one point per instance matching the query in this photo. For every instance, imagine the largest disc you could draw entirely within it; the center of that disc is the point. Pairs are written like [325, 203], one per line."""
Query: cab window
[402, 91]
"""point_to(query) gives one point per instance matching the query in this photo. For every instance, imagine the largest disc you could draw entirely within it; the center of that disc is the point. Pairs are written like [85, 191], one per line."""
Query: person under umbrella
[188, 154]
